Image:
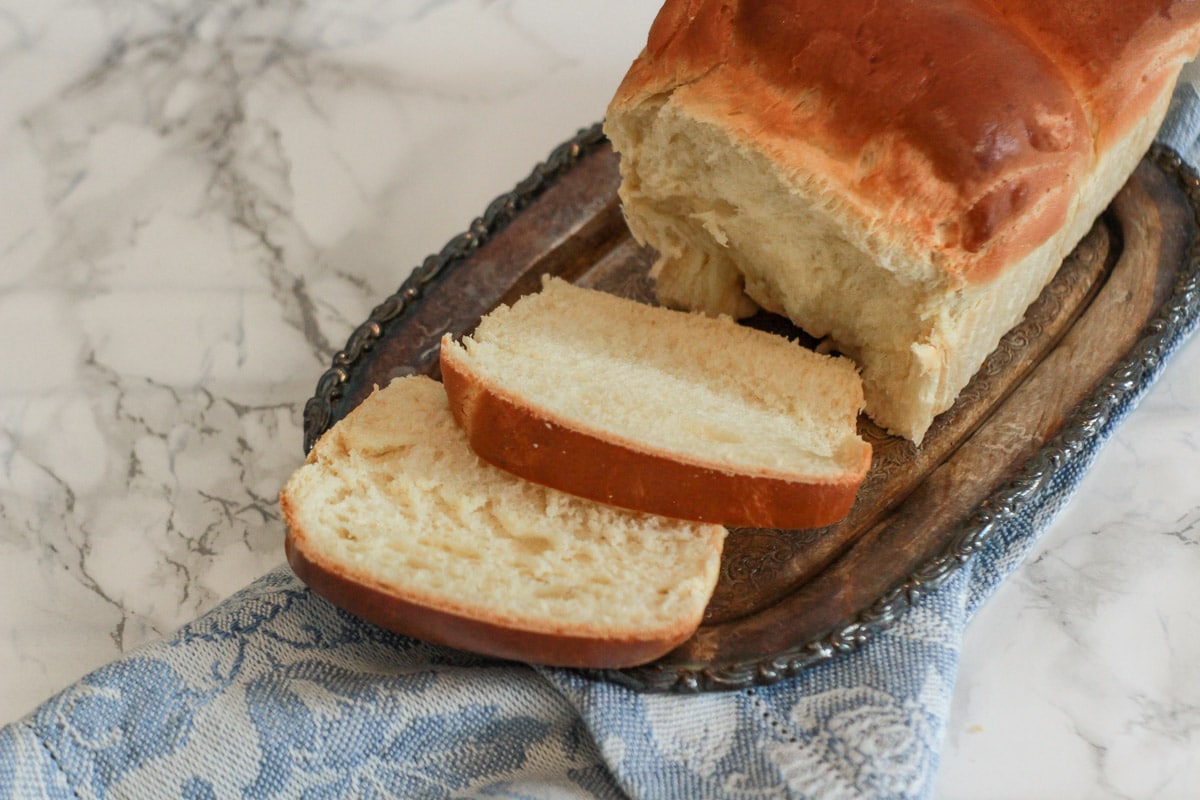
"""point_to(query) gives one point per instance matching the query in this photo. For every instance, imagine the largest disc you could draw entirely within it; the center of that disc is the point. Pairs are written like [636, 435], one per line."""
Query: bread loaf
[901, 177]
[660, 411]
[395, 520]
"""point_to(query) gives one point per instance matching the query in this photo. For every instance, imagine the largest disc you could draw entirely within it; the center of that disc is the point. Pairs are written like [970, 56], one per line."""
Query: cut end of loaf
[902, 179]
[395, 520]
[660, 411]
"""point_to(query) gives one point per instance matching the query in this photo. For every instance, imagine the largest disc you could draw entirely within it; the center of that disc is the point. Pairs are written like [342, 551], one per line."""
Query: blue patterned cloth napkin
[276, 693]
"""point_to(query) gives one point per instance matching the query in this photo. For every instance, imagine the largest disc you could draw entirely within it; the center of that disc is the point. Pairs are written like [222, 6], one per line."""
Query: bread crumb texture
[700, 390]
[393, 497]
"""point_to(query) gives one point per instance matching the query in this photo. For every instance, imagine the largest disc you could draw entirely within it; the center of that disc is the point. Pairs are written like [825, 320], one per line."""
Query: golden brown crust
[464, 629]
[1116, 55]
[965, 125]
[521, 440]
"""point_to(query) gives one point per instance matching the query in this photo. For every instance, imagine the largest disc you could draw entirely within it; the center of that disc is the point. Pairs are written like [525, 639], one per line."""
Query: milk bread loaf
[903, 177]
[394, 519]
[660, 411]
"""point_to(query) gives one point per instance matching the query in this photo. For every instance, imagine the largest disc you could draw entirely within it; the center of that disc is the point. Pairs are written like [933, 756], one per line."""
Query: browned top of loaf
[968, 121]
[1116, 54]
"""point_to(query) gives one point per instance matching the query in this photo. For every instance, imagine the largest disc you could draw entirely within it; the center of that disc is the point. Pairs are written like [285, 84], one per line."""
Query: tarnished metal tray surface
[787, 599]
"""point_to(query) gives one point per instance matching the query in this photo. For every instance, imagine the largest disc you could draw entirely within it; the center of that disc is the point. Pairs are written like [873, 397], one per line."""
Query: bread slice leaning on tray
[660, 411]
[901, 177]
[395, 520]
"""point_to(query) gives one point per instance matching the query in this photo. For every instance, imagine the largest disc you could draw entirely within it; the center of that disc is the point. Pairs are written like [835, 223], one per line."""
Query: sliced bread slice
[660, 411]
[395, 520]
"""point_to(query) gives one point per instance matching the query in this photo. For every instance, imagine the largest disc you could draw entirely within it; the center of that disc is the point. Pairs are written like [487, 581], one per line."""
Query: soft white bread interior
[658, 410]
[394, 519]
[903, 178]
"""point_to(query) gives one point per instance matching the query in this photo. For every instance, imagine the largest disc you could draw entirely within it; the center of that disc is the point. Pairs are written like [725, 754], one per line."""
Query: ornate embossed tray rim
[1029, 487]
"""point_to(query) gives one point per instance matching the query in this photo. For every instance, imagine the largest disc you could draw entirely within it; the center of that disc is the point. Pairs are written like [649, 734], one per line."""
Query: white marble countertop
[202, 199]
